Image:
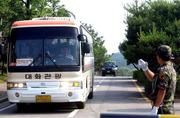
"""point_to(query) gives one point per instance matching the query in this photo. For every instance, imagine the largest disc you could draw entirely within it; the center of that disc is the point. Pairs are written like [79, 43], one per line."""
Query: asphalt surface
[3, 94]
[111, 94]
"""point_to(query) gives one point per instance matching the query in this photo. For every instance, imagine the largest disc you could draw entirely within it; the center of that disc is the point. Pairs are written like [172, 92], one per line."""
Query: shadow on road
[116, 96]
[118, 83]
[128, 110]
[44, 109]
[113, 78]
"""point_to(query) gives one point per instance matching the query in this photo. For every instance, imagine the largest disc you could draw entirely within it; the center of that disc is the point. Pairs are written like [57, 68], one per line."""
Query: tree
[28, 9]
[10, 11]
[50, 8]
[100, 52]
[151, 24]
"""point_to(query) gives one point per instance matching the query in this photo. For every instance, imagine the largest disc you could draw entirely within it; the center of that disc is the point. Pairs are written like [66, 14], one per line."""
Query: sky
[106, 16]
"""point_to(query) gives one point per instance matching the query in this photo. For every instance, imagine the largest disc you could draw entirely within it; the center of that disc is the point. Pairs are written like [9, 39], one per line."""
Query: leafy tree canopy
[151, 24]
[100, 52]
[28, 9]
[13, 10]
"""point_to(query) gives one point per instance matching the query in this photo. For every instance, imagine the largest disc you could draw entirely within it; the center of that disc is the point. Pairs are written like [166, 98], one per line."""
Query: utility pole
[27, 5]
[1, 55]
[0, 28]
[1, 22]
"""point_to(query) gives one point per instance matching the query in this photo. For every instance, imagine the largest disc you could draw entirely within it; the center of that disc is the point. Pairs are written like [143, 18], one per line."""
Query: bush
[178, 84]
[125, 71]
[3, 77]
[140, 77]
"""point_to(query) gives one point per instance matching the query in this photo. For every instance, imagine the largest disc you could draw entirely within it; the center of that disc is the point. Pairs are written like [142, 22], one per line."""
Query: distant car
[109, 68]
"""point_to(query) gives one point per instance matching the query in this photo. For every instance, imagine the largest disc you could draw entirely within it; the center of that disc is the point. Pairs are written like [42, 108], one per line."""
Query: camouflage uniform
[165, 79]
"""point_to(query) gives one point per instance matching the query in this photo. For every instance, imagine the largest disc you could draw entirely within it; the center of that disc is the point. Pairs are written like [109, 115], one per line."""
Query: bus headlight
[115, 69]
[11, 85]
[65, 84]
[70, 84]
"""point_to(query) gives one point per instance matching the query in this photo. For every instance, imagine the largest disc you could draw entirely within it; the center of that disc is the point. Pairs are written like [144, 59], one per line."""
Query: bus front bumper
[45, 96]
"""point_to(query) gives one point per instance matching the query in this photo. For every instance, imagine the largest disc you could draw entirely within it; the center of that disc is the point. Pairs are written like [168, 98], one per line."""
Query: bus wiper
[50, 58]
[40, 55]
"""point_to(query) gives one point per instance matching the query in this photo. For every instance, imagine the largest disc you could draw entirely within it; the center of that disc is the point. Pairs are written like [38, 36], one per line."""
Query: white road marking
[97, 86]
[3, 109]
[73, 113]
[141, 91]
[95, 89]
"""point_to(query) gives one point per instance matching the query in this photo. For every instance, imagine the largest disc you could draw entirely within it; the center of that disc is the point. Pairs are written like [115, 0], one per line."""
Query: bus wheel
[21, 107]
[91, 94]
[80, 105]
[103, 74]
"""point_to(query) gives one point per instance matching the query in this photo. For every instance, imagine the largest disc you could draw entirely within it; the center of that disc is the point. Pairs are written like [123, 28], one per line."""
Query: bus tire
[21, 107]
[80, 105]
[103, 74]
[91, 94]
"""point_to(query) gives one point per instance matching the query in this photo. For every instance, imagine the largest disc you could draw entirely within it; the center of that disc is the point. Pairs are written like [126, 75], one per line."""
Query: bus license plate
[43, 98]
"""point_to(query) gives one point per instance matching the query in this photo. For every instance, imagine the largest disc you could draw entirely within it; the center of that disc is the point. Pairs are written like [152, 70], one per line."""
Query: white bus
[50, 60]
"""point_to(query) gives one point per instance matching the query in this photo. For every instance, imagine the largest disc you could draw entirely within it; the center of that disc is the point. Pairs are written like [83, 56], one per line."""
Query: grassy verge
[124, 71]
[3, 78]
[140, 77]
[178, 87]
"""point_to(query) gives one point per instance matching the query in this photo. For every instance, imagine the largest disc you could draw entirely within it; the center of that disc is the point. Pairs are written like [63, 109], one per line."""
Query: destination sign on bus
[43, 76]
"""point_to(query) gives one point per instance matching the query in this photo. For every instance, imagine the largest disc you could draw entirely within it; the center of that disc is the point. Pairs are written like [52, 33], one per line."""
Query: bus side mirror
[85, 45]
[85, 48]
[82, 37]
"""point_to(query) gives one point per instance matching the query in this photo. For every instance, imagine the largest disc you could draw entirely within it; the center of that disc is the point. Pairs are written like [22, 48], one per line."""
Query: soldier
[164, 81]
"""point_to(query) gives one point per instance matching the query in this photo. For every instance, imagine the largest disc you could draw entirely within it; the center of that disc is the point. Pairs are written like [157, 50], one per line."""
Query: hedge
[140, 77]
[123, 71]
[178, 84]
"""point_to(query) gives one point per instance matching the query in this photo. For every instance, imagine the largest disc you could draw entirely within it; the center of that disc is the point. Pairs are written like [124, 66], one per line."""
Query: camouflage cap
[164, 52]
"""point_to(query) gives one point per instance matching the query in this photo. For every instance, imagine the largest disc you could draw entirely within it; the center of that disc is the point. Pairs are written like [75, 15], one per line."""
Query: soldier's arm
[160, 97]
[149, 74]
[162, 86]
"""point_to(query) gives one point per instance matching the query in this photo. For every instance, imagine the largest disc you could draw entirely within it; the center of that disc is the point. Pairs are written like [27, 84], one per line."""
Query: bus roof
[46, 21]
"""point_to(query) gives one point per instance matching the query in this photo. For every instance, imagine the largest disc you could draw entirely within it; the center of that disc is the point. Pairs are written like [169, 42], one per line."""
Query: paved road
[112, 94]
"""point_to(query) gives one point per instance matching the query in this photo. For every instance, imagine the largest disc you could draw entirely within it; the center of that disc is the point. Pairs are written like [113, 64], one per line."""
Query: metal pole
[1, 49]
[71, 14]
[1, 21]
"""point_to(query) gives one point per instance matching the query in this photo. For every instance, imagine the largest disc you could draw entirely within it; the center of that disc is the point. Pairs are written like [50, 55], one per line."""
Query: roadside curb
[3, 99]
[3, 96]
[139, 89]
[3, 92]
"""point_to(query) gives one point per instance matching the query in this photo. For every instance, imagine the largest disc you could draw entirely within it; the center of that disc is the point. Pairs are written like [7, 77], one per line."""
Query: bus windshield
[44, 46]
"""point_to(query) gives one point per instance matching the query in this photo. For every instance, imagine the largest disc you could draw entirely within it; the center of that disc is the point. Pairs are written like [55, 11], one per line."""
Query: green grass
[3, 78]
[178, 84]
[124, 71]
